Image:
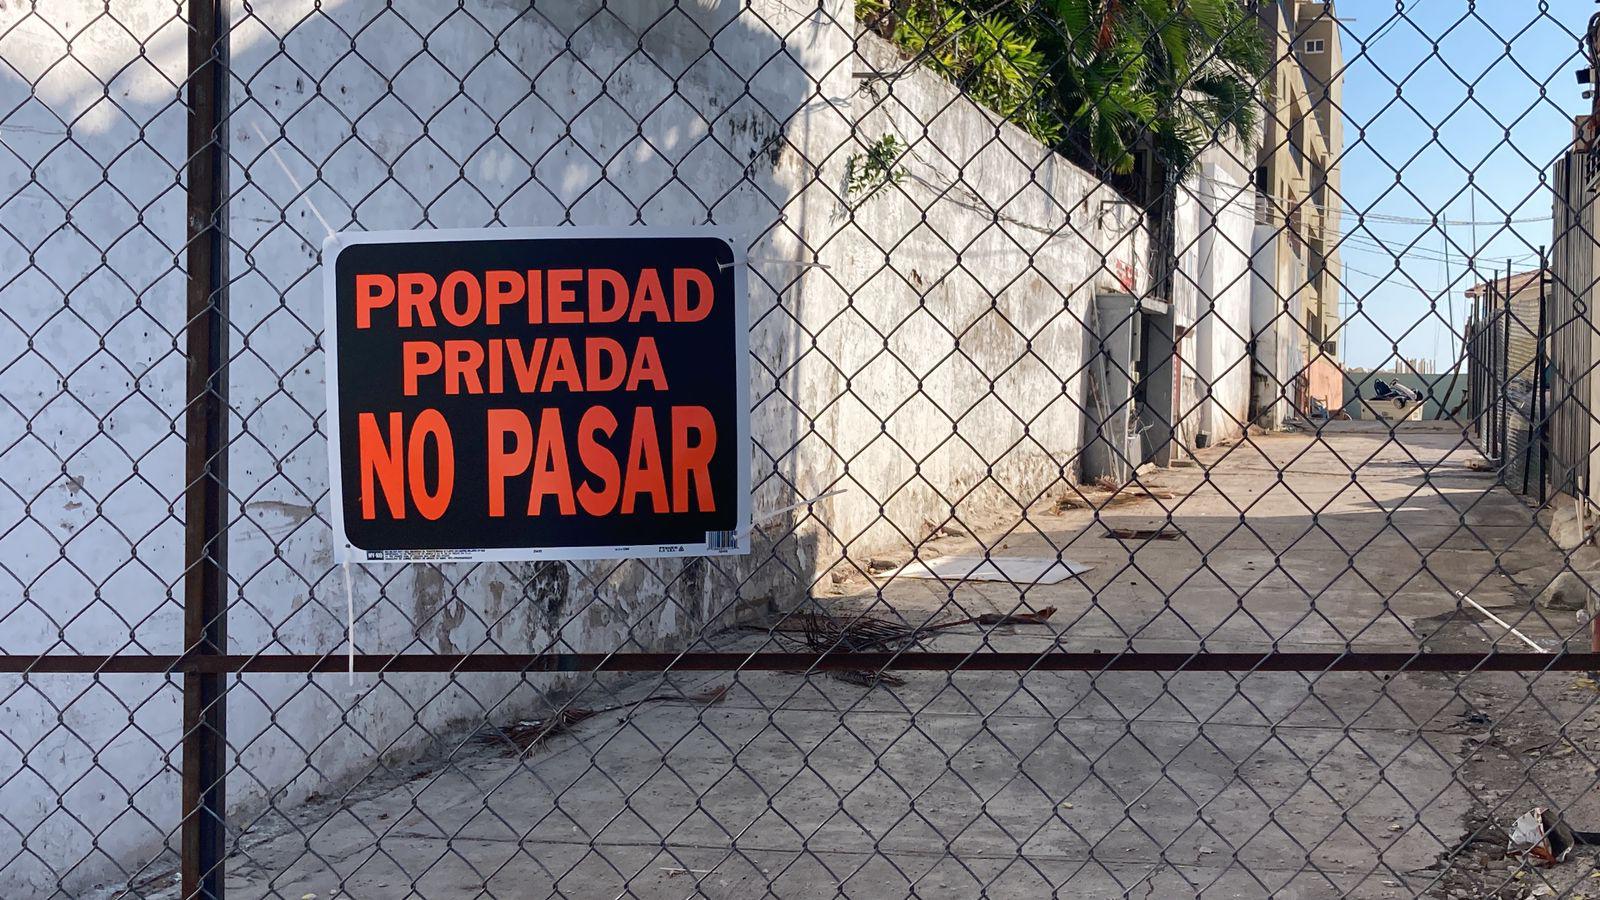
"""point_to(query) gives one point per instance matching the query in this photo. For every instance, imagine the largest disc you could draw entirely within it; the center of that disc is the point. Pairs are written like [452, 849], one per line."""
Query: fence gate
[1169, 437]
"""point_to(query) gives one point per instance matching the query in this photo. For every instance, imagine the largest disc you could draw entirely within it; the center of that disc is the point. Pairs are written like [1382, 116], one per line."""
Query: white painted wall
[1226, 223]
[955, 307]
[1278, 358]
[969, 278]
[1214, 217]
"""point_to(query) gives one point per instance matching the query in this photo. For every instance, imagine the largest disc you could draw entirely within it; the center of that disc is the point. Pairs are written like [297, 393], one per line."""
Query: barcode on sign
[722, 540]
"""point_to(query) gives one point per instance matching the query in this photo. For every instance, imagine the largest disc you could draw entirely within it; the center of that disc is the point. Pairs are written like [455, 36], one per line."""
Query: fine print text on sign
[510, 394]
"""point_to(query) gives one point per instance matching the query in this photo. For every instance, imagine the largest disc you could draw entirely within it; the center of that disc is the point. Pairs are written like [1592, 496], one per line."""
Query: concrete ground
[1293, 785]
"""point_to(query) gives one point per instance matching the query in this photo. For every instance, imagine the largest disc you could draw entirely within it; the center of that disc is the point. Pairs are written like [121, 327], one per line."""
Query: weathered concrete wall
[1275, 331]
[91, 310]
[902, 344]
[384, 137]
[1219, 268]
[953, 310]
[1203, 342]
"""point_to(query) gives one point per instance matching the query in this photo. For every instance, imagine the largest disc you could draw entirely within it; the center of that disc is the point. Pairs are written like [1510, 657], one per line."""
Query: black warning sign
[507, 394]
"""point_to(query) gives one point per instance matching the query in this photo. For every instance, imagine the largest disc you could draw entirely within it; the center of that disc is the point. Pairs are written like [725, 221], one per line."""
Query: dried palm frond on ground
[714, 694]
[1105, 493]
[1037, 617]
[824, 633]
[529, 733]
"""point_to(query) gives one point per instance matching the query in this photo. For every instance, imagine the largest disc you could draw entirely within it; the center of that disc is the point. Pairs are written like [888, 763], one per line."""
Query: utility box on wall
[1111, 436]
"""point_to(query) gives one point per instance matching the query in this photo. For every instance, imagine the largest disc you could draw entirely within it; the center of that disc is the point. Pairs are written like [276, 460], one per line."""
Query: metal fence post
[1503, 394]
[206, 442]
[1541, 363]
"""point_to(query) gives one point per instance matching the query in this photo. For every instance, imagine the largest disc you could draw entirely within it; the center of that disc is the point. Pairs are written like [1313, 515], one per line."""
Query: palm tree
[1099, 79]
[1171, 75]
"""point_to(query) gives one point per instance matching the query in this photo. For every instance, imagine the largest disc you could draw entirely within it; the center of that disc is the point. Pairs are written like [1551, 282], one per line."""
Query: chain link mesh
[1129, 327]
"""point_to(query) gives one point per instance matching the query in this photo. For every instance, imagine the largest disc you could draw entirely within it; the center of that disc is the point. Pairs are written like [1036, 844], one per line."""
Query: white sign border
[346, 552]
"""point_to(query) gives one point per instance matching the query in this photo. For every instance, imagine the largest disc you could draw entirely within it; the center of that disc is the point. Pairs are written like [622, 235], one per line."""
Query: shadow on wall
[652, 112]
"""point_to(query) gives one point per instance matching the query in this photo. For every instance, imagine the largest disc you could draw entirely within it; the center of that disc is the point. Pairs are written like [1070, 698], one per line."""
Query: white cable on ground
[1502, 623]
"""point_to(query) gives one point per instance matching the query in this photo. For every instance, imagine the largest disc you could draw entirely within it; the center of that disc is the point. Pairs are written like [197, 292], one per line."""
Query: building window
[1315, 45]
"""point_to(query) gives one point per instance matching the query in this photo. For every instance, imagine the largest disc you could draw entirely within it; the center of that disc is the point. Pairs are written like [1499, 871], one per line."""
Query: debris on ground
[1018, 570]
[1542, 834]
[530, 733]
[1038, 617]
[1144, 534]
[1065, 503]
[863, 678]
[1510, 629]
[863, 632]
[1566, 592]
[1106, 493]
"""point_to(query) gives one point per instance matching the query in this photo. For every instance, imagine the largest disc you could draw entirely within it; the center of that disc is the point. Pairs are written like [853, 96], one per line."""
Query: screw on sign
[515, 394]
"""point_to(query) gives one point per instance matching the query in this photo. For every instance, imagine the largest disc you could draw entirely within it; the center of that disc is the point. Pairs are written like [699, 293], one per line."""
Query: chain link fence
[1170, 436]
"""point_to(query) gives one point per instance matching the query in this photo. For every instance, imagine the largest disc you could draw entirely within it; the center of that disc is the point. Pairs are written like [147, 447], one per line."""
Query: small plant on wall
[867, 173]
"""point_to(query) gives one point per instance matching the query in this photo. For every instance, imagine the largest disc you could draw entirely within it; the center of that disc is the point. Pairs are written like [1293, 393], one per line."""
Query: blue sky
[1436, 54]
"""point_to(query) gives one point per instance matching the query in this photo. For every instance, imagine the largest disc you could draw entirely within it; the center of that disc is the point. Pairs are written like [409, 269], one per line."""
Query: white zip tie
[349, 592]
[774, 513]
[350, 622]
[780, 261]
[1502, 623]
[298, 188]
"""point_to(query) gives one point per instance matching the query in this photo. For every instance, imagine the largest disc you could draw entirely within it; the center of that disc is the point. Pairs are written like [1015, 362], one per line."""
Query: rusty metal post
[1541, 384]
[205, 626]
[1503, 396]
[1594, 638]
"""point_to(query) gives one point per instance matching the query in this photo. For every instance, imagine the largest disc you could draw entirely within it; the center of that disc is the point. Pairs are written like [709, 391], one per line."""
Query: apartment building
[1295, 292]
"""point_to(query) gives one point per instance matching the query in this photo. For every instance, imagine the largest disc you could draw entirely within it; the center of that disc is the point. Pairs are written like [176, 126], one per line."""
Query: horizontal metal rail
[924, 661]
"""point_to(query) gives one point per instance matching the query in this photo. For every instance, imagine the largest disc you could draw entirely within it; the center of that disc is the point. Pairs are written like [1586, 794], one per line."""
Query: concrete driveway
[1035, 785]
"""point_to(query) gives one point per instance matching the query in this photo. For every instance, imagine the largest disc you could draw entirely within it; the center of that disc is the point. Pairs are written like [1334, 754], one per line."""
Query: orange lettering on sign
[380, 463]
[601, 462]
[691, 463]
[506, 461]
[644, 474]
[372, 292]
[551, 477]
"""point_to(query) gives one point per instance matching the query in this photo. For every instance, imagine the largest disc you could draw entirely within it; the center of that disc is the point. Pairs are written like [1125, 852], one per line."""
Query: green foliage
[1174, 73]
[866, 173]
[1098, 79]
[995, 58]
